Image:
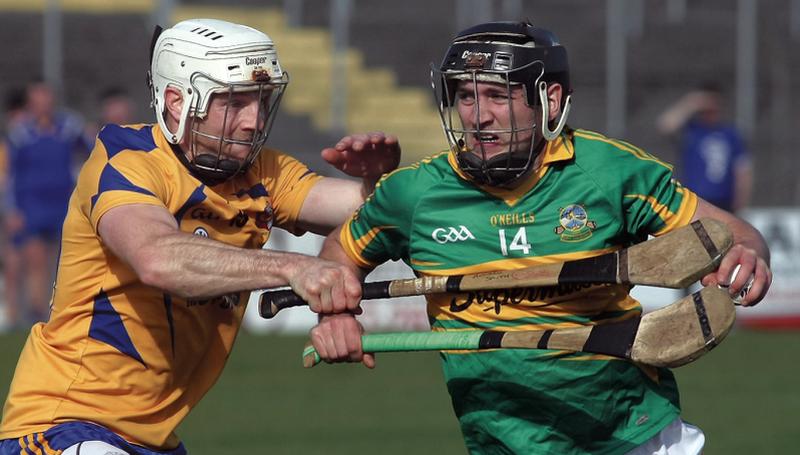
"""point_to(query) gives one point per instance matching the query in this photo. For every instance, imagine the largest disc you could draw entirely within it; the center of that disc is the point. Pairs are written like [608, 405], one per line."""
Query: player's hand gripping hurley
[674, 260]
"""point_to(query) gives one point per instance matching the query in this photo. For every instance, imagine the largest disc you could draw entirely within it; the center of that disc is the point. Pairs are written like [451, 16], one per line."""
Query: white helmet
[202, 57]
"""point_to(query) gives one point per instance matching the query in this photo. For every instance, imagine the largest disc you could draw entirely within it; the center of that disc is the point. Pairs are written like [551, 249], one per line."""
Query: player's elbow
[155, 270]
[152, 274]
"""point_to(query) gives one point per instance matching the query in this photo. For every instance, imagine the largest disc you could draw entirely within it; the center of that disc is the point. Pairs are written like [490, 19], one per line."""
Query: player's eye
[499, 97]
[466, 98]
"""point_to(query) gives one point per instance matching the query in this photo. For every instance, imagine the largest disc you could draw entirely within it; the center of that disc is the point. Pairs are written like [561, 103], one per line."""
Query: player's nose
[249, 117]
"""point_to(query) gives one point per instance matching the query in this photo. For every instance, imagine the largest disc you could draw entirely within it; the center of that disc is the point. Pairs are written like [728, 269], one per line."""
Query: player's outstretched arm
[749, 251]
[365, 156]
[337, 338]
[147, 238]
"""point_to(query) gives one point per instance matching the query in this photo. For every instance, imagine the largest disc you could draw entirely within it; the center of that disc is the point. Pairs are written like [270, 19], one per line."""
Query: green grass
[744, 395]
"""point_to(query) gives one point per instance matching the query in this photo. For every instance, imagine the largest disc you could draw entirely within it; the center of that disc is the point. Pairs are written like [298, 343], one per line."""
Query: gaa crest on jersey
[451, 234]
[574, 224]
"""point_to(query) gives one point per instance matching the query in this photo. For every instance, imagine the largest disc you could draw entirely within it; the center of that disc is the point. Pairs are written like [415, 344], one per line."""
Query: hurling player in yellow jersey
[162, 244]
[515, 191]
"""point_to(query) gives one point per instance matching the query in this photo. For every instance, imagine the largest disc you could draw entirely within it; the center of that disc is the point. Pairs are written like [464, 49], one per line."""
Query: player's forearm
[329, 203]
[332, 250]
[196, 267]
[743, 232]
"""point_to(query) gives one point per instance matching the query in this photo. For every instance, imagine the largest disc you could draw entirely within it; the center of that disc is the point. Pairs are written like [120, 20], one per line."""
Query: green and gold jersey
[592, 195]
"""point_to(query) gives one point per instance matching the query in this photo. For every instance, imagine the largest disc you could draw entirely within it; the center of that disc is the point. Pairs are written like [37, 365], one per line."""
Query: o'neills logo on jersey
[255, 60]
[574, 224]
[511, 219]
[452, 234]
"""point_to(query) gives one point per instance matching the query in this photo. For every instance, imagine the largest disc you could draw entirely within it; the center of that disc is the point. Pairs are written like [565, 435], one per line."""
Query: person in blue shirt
[14, 112]
[42, 148]
[714, 162]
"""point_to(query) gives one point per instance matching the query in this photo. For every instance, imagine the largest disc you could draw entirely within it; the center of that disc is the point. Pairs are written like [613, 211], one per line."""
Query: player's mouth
[487, 142]
[486, 138]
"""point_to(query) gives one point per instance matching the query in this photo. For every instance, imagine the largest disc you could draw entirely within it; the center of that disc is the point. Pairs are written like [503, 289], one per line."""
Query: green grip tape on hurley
[407, 341]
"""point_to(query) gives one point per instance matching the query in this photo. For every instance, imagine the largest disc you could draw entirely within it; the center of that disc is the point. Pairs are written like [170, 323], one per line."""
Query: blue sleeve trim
[113, 180]
[117, 138]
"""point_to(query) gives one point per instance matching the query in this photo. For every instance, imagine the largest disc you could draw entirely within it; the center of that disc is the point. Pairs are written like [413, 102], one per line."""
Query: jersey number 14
[518, 243]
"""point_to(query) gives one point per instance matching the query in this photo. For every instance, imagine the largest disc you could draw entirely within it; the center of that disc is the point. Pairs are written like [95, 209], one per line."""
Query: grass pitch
[744, 395]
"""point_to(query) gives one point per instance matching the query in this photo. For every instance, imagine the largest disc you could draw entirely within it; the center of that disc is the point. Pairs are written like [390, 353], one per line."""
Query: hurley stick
[669, 337]
[674, 260]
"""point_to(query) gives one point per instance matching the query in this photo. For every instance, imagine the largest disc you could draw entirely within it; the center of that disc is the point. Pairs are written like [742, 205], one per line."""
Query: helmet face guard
[512, 56]
[499, 170]
[211, 163]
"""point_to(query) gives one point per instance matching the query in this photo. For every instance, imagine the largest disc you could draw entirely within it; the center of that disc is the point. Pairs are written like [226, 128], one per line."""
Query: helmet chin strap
[207, 160]
[206, 168]
[548, 134]
[491, 172]
[177, 136]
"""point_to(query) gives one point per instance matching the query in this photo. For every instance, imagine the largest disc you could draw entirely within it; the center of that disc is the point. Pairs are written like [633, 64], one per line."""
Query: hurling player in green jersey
[519, 187]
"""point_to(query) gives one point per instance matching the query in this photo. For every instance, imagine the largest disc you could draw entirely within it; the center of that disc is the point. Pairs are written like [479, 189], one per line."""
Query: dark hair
[710, 87]
[15, 98]
[113, 92]
[36, 80]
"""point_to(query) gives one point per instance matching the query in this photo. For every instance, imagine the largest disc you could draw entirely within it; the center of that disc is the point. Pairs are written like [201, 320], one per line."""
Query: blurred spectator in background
[116, 106]
[41, 149]
[713, 162]
[14, 111]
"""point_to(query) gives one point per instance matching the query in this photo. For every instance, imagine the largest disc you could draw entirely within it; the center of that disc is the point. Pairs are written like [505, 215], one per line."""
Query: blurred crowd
[43, 148]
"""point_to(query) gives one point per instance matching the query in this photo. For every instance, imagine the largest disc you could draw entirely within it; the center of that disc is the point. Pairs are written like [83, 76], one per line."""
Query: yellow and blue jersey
[592, 195]
[116, 352]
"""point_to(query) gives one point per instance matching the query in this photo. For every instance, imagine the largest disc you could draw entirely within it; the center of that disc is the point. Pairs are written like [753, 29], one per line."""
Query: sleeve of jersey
[128, 178]
[654, 202]
[288, 182]
[378, 231]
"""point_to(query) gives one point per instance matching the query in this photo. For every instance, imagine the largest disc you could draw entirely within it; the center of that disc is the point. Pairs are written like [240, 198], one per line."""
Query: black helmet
[511, 54]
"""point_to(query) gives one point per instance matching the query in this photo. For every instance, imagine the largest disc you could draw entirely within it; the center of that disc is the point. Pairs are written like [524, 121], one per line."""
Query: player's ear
[173, 102]
[554, 94]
